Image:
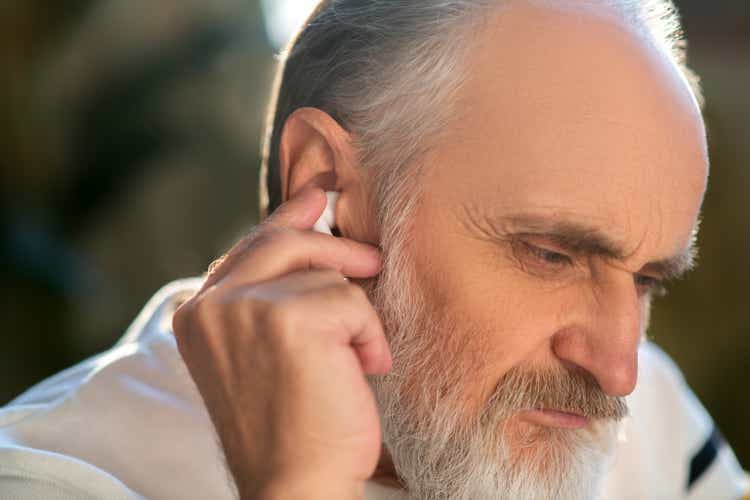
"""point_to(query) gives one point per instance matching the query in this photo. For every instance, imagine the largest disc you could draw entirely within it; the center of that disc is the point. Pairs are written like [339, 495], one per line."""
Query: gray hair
[386, 70]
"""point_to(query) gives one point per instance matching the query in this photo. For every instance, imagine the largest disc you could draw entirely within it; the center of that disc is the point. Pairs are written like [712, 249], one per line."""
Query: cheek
[500, 316]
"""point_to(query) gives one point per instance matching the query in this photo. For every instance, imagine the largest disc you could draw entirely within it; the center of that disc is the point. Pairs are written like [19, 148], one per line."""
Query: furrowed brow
[588, 240]
[575, 236]
[674, 267]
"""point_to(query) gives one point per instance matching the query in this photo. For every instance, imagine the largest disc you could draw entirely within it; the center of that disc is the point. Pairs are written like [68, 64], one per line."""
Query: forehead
[570, 111]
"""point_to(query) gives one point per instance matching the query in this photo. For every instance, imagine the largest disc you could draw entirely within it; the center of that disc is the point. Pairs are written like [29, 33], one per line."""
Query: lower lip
[552, 418]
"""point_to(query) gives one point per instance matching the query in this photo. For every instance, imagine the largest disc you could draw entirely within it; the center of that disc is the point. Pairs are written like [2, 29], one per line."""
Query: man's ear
[314, 148]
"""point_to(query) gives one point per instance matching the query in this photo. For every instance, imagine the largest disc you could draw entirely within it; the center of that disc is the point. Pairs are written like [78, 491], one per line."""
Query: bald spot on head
[573, 104]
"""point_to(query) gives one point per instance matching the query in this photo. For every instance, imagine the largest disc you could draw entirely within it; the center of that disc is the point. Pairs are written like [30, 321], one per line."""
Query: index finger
[280, 252]
[299, 212]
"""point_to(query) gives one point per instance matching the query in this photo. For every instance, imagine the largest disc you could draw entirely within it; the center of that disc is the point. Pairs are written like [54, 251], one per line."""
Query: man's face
[570, 182]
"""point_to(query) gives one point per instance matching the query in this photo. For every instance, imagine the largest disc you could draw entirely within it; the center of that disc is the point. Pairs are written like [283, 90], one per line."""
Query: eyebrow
[584, 239]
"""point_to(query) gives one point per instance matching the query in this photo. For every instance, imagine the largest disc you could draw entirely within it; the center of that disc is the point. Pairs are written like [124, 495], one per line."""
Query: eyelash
[548, 256]
[653, 286]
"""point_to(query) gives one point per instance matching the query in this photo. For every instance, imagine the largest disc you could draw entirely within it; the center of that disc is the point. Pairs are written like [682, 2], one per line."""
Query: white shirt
[130, 424]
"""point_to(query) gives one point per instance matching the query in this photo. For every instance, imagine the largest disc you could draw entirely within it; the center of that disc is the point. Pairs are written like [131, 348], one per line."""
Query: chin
[442, 459]
[540, 461]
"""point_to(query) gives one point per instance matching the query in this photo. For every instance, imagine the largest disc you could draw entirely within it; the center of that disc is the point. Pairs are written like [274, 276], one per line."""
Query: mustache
[571, 391]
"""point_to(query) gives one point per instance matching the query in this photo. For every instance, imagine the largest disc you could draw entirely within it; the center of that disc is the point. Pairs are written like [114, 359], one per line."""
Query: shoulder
[159, 309]
[30, 473]
[662, 397]
[151, 325]
[114, 420]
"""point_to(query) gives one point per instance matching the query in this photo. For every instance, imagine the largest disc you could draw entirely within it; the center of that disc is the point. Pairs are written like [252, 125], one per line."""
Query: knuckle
[200, 314]
[258, 235]
[182, 318]
[279, 321]
[278, 235]
[214, 266]
[179, 317]
[272, 240]
[205, 304]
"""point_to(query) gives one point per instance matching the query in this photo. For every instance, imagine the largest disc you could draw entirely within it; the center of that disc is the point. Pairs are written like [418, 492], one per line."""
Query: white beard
[440, 449]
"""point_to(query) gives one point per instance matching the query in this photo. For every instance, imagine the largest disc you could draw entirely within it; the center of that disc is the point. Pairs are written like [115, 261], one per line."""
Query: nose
[604, 341]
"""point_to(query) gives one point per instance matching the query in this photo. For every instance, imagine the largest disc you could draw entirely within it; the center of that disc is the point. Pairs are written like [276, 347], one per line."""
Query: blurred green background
[129, 152]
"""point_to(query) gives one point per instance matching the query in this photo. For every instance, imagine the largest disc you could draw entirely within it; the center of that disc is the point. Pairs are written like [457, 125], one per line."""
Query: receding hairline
[666, 33]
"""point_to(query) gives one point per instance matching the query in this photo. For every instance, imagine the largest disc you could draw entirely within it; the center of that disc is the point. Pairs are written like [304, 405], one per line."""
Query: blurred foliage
[128, 157]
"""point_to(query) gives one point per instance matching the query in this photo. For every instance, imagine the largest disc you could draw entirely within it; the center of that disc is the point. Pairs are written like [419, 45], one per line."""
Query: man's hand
[278, 343]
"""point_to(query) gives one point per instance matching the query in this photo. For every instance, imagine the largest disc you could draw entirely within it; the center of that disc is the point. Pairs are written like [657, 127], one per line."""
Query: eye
[542, 258]
[650, 285]
[546, 256]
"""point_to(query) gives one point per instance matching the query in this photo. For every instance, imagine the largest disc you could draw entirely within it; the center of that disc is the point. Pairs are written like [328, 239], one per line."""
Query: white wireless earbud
[328, 219]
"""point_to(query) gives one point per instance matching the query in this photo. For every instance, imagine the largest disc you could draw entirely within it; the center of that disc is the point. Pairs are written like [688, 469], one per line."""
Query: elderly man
[515, 180]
